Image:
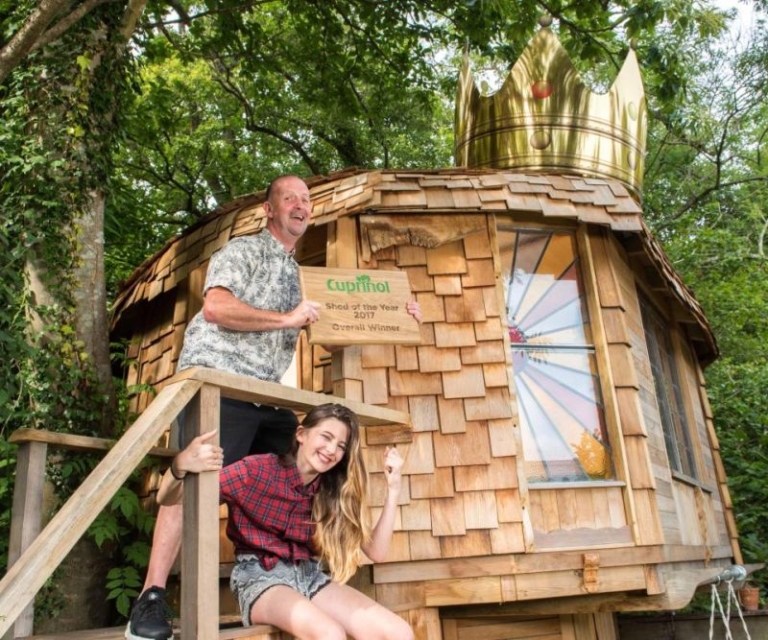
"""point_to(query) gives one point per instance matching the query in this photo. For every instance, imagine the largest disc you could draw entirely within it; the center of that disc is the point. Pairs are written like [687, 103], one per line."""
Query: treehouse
[561, 459]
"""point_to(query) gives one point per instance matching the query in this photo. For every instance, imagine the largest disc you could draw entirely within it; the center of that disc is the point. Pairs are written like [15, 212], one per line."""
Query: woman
[289, 515]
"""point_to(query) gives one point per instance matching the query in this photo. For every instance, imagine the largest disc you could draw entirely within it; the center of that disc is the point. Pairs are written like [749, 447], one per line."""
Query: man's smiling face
[289, 208]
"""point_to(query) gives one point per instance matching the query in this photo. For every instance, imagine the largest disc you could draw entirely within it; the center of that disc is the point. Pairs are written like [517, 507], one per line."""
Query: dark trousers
[247, 429]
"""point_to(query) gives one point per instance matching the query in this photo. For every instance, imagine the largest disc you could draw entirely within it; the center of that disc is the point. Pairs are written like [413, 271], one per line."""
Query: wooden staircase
[34, 554]
[226, 632]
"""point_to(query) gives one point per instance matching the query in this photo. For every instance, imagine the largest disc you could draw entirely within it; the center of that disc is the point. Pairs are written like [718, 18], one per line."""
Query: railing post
[26, 516]
[200, 542]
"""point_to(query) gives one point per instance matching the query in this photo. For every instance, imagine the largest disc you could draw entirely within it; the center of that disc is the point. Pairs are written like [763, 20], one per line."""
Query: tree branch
[25, 38]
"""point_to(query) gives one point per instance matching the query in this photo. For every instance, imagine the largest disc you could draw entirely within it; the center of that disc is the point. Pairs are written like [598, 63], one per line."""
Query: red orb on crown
[541, 89]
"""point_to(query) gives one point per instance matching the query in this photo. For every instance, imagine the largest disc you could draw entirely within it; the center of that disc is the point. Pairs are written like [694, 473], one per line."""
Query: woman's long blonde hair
[340, 509]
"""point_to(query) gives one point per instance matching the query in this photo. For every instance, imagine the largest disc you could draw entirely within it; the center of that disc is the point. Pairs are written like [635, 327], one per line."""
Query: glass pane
[558, 391]
[561, 416]
[666, 381]
[545, 299]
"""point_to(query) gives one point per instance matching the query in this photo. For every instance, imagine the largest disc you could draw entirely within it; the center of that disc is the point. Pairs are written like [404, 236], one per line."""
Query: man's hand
[198, 456]
[307, 312]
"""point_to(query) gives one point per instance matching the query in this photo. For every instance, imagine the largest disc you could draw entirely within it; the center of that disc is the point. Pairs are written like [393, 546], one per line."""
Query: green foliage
[7, 476]
[124, 584]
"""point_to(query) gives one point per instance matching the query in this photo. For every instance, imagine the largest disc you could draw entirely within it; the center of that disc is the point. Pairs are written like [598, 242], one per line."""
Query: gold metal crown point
[545, 119]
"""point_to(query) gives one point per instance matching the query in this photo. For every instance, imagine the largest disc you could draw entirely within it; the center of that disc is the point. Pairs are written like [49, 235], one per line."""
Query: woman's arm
[376, 549]
[198, 456]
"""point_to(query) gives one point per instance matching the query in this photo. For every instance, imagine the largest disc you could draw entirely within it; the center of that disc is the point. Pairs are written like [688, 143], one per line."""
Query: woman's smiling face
[321, 447]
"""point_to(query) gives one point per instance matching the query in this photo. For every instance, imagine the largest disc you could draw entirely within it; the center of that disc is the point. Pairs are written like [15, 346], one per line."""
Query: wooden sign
[359, 307]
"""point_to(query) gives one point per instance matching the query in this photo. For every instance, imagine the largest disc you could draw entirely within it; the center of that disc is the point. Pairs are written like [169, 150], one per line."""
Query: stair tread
[118, 633]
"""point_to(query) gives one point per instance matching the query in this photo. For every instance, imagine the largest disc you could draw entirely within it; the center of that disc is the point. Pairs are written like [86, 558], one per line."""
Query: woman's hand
[393, 467]
[414, 309]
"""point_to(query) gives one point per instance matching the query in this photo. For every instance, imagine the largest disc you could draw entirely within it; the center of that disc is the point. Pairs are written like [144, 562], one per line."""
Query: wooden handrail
[201, 388]
[75, 442]
[41, 558]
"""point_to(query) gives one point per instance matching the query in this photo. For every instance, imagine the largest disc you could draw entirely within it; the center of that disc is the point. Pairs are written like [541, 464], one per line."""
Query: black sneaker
[150, 617]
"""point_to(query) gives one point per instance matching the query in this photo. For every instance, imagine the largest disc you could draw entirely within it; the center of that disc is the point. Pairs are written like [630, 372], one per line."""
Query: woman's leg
[288, 610]
[363, 618]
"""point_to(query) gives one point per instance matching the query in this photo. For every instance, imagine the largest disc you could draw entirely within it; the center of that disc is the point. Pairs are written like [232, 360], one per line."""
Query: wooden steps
[258, 632]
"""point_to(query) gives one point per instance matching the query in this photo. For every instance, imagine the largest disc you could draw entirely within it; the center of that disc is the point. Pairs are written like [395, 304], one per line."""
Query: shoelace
[153, 608]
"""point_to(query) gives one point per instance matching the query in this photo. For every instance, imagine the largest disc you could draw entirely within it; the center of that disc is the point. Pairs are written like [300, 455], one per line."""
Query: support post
[26, 516]
[200, 541]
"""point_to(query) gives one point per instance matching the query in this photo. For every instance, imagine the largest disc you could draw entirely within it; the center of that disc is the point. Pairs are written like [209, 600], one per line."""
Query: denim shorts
[249, 580]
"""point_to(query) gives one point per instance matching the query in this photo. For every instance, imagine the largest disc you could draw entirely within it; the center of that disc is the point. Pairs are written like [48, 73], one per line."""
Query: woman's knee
[396, 629]
[327, 631]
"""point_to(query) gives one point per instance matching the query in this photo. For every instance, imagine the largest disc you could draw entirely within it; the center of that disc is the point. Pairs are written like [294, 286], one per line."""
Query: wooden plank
[471, 544]
[375, 386]
[423, 410]
[434, 359]
[469, 382]
[460, 334]
[438, 484]
[398, 434]
[26, 515]
[406, 383]
[447, 259]
[22, 581]
[445, 593]
[484, 352]
[508, 537]
[499, 473]
[273, 393]
[425, 623]
[480, 510]
[496, 404]
[432, 307]
[200, 544]
[448, 286]
[424, 546]
[416, 516]
[502, 436]
[378, 355]
[462, 449]
[451, 413]
[77, 443]
[420, 456]
[447, 516]
[495, 374]
[480, 273]
[468, 307]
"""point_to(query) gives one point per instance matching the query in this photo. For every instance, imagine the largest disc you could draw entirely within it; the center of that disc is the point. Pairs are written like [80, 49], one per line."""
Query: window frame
[597, 347]
[692, 472]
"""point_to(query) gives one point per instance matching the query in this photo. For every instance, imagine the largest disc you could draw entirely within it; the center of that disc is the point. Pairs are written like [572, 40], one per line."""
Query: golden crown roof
[545, 119]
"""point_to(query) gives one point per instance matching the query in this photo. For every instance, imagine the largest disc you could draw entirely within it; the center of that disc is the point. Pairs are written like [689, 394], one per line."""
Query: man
[250, 321]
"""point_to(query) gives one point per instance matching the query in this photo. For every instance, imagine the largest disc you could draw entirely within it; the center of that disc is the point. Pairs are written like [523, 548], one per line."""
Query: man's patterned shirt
[257, 270]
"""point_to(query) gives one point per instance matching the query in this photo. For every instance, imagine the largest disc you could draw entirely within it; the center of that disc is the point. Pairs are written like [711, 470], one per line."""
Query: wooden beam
[681, 585]
[200, 546]
[77, 443]
[27, 576]
[276, 394]
[26, 515]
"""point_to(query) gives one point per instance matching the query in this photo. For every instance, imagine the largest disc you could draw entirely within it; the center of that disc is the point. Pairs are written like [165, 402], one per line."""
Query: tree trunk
[92, 324]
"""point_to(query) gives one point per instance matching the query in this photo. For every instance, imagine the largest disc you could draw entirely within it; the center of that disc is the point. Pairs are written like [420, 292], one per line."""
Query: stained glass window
[558, 389]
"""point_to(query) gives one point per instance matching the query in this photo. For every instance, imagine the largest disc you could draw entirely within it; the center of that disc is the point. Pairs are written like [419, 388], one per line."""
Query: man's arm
[221, 307]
